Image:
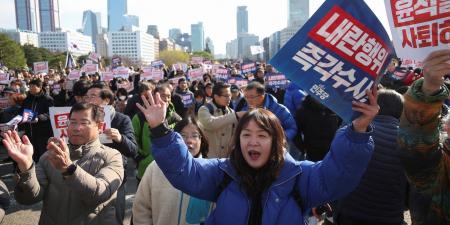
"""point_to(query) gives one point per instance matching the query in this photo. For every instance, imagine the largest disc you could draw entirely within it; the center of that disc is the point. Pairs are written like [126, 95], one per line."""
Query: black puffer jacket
[39, 132]
[380, 196]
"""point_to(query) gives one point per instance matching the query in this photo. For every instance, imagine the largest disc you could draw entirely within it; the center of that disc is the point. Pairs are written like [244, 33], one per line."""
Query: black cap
[234, 87]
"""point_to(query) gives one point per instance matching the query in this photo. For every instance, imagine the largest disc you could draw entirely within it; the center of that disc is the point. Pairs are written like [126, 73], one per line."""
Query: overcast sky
[218, 16]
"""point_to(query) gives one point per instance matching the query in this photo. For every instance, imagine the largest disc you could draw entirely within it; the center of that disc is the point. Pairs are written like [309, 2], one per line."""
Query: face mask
[121, 98]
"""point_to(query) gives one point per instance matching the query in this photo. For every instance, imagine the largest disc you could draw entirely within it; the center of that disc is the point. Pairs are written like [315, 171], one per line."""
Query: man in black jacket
[39, 130]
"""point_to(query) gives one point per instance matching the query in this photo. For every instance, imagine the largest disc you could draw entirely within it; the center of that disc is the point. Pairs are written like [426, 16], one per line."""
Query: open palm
[154, 109]
[21, 151]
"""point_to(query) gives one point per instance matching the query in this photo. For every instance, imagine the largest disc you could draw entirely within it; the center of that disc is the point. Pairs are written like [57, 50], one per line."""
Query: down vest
[318, 183]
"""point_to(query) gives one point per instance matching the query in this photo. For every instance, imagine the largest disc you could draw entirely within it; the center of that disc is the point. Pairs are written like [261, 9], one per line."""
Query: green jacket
[425, 158]
[142, 133]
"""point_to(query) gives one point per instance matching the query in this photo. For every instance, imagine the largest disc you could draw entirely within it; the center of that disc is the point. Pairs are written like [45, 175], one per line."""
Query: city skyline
[264, 19]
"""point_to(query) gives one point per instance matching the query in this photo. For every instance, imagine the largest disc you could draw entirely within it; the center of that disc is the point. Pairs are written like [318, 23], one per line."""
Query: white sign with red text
[419, 27]
[40, 67]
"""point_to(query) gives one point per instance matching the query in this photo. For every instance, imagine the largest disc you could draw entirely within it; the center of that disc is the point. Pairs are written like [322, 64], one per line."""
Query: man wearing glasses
[78, 181]
[218, 120]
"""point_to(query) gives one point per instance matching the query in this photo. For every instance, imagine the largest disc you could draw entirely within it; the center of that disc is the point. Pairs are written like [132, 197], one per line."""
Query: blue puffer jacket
[338, 174]
[287, 120]
[293, 98]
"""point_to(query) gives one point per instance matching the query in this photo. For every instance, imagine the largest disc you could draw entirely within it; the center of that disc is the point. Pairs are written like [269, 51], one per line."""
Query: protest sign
[419, 27]
[4, 78]
[187, 100]
[221, 74]
[151, 73]
[121, 72]
[256, 49]
[40, 67]
[126, 85]
[157, 63]
[276, 80]
[174, 81]
[248, 68]
[59, 118]
[116, 61]
[180, 66]
[74, 75]
[107, 76]
[240, 82]
[337, 55]
[90, 68]
[197, 60]
[195, 74]
[412, 63]
[94, 57]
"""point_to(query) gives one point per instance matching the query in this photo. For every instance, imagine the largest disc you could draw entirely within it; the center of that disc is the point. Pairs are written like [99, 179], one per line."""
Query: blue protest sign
[337, 55]
[276, 80]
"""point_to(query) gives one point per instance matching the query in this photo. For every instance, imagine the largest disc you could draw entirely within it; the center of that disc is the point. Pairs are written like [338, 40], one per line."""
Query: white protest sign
[419, 27]
[59, 118]
[107, 76]
[74, 75]
[4, 78]
[40, 67]
[90, 68]
[122, 72]
[195, 74]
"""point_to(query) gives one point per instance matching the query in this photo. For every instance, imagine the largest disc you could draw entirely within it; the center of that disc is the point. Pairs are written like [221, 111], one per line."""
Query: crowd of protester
[211, 152]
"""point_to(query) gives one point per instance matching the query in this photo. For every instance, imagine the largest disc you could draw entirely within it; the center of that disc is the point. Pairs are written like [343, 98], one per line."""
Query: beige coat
[218, 128]
[157, 202]
[87, 197]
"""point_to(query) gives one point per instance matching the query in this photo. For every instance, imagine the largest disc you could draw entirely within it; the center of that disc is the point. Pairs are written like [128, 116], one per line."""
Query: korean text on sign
[419, 26]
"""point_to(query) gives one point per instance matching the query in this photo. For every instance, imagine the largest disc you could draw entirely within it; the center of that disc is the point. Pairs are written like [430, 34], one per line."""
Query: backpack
[210, 108]
[295, 192]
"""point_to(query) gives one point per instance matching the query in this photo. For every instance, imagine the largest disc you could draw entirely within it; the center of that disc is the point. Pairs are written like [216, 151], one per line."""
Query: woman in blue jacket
[266, 186]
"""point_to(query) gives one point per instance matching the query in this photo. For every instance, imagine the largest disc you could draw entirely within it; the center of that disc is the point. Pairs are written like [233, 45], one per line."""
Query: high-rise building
[102, 44]
[244, 43]
[298, 12]
[116, 9]
[26, 15]
[175, 34]
[232, 49]
[274, 44]
[137, 46]
[209, 45]
[153, 30]
[49, 15]
[77, 43]
[90, 25]
[129, 21]
[242, 20]
[197, 37]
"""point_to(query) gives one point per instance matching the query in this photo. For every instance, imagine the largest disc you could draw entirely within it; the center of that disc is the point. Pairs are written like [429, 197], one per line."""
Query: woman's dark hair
[81, 87]
[106, 94]
[253, 181]
[390, 102]
[204, 147]
[99, 85]
[121, 91]
[36, 82]
[97, 113]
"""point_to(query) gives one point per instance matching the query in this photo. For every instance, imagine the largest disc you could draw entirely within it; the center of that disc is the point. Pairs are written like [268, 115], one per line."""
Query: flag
[70, 62]
[256, 49]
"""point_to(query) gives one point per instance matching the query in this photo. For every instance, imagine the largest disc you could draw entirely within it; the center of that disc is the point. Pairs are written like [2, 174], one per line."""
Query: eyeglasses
[225, 96]
[76, 124]
[196, 136]
[252, 97]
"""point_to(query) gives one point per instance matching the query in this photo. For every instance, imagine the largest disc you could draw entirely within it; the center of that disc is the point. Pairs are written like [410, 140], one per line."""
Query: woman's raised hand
[154, 109]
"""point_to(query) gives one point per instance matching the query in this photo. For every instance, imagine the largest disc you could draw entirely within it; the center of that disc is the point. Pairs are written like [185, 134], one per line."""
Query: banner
[419, 27]
[122, 72]
[116, 61]
[339, 53]
[74, 75]
[107, 76]
[195, 74]
[90, 69]
[276, 81]
[248, 68]
[412, 63]
[59, 118]
[40, 67]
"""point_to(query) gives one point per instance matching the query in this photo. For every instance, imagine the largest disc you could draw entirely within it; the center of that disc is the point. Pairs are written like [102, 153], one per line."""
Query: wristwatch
[70, 170]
